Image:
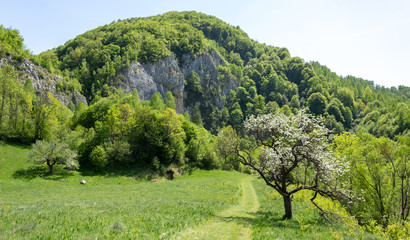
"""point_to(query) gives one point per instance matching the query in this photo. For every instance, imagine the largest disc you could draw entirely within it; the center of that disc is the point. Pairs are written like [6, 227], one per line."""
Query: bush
[118, 151]
[209, 160]
[99, 157]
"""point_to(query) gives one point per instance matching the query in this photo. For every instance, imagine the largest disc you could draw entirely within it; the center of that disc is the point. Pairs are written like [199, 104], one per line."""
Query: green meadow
[129, 205]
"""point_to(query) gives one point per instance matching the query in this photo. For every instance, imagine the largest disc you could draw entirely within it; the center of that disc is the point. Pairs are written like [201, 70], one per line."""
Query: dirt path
[233, 223]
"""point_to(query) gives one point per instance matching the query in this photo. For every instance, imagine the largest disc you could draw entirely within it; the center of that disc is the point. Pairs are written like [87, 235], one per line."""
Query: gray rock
[44, 81]
[167, 75]
[161, 76]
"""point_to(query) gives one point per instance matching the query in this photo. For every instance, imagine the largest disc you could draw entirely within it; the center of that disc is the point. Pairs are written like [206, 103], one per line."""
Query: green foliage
[193, 88]
[157, 102]
[266, 73]
[169, 100]
[158, 135]
[317, 103]
[118, 151]
[11, 43]
[99, 157]
[196, 116]
[26, 117]
[378, 177]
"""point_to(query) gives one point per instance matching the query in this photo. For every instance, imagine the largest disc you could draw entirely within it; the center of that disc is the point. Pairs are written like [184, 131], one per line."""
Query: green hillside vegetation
[118, 137]
[269, 77]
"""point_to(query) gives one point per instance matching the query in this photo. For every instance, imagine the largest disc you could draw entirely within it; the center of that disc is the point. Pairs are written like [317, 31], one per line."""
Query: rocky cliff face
[44, 81]
[161, 76]
[169, 75]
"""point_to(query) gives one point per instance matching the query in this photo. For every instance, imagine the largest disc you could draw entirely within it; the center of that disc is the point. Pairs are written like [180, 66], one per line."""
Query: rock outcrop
[161, 76]
[44, 81]
[169, 75]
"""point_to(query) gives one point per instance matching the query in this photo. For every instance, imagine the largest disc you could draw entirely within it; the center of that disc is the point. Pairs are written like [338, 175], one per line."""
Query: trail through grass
[232, 223]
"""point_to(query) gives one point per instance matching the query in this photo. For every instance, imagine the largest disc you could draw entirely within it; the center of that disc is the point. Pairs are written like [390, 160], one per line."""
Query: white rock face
[169, 75]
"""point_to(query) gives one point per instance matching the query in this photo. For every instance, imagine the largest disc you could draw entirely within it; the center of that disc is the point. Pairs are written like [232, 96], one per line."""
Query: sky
[364, 38]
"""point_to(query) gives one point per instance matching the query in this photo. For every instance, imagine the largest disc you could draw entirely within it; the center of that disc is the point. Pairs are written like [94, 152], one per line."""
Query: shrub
[99, 157]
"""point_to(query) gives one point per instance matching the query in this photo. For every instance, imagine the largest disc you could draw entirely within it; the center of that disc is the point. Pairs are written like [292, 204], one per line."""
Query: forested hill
[221, 76]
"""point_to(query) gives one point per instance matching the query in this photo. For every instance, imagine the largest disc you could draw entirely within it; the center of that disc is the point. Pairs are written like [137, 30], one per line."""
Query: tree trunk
[288, 207]
[50, 167]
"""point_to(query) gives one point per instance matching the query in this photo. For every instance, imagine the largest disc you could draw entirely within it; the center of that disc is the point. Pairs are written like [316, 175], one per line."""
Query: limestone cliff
[169, 75]
[44, 81]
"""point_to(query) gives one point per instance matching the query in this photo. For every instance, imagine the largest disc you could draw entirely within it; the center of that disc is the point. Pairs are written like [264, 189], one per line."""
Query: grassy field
[35, 205]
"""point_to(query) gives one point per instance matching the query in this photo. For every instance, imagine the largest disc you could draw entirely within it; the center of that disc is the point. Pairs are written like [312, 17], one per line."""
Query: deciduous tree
[290, 154]
[51, 153]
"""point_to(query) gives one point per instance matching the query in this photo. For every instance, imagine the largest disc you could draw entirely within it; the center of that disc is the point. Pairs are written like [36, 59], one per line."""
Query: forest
[367, 124]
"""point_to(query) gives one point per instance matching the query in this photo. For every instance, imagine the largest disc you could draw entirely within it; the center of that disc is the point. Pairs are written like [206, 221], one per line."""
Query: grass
[232, 223]
[124, 205]
[107, 207]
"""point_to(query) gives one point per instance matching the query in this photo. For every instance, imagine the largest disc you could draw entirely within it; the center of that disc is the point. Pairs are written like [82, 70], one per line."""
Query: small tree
[289, 153]
[99, 157]
[51, 152]
[169, 100]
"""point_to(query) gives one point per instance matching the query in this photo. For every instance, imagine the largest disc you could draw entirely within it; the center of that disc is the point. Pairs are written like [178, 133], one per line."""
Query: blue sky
[363, 38]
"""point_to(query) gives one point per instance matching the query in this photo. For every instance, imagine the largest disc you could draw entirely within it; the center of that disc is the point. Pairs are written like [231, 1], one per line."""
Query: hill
[200, 59]
[215, 72]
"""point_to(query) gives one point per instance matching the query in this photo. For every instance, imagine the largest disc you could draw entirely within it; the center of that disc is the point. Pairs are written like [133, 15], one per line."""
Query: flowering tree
[52, 153]
[290, 154]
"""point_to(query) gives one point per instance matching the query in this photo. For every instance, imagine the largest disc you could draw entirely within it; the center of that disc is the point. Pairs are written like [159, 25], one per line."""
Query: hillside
[200, 58]
[27, 69]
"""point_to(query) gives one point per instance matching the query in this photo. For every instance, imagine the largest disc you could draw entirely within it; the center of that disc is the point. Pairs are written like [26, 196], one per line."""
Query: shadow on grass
[127, 171]
[138, 172]
[245, 221]
[272, 220]
[265, 219]
[42, 172]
